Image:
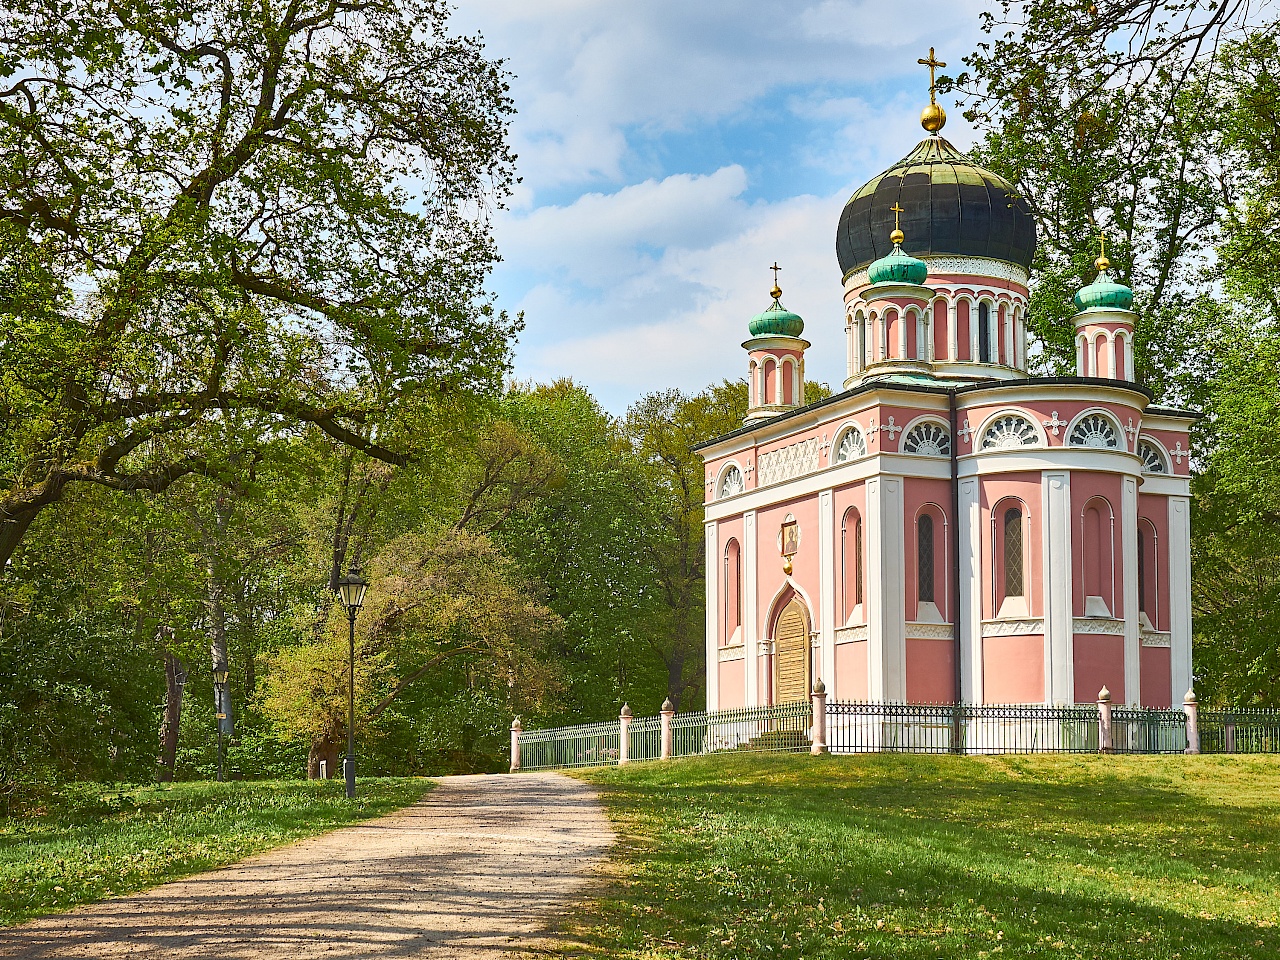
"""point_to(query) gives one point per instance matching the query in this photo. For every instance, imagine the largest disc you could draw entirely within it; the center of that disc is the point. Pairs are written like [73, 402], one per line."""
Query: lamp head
[352, 588]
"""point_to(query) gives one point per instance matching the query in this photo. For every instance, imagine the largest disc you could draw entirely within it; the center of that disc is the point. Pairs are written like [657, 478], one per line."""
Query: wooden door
[791, 653]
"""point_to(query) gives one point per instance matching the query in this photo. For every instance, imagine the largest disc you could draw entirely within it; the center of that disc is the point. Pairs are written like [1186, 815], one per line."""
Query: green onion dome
[897, 267]
[777, 320]
[1104, 292]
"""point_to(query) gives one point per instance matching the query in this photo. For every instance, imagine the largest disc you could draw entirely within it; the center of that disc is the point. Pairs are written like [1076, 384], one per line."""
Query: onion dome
[951, 206]
[1104, 292]
[777, 320]
[897, 267]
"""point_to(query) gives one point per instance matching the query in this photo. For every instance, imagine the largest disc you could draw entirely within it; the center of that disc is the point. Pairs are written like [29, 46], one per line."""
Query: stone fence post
[624, 734]
[1104, 720]
[516, 729]
[1192, 710]
[668, 713]
[819, 736]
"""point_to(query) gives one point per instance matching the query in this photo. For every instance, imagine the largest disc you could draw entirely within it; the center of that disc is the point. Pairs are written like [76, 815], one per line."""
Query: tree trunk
[175, 680]
[329, 749]
[216, 606]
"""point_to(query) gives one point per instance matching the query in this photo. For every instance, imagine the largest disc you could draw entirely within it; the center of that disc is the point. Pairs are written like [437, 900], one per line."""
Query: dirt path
[472, 871]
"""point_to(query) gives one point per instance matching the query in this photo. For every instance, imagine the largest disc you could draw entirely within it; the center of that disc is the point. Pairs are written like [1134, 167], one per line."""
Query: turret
[898, 304]
[776, 365]
[1104, 325]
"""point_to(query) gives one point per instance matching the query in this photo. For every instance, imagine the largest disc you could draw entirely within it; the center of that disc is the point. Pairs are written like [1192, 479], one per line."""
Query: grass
[927, 857]
[93, 842]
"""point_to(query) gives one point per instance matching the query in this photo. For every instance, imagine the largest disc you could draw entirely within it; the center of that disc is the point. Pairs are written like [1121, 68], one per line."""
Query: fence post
[1228, 734]
[667, 713]
[1104, 720]
[1192, 710]
[819, 719]
[515, 744]
[624, 734]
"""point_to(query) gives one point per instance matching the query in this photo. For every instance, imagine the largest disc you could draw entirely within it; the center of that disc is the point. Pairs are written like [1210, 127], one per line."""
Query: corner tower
[775, 369]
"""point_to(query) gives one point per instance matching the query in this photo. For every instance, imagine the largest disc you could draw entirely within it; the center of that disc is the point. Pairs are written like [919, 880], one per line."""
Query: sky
[670, 152]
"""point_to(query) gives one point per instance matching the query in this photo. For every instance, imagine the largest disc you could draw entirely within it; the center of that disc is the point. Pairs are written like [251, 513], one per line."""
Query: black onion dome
[950, 206]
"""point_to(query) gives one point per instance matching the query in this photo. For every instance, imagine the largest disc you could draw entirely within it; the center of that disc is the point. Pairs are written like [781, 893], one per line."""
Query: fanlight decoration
[1094, 430]
[1152, 461]
[851, 446]
[928, 440]
[731, 483]
[1009, 431]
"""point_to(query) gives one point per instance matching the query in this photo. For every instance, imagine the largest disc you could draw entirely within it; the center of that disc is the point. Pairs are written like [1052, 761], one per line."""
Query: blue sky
[671, 151]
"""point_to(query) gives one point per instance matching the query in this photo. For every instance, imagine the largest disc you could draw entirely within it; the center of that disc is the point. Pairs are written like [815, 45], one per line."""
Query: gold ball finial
[1103, 264]
[776, 292]
[897, 236]
[933, 118]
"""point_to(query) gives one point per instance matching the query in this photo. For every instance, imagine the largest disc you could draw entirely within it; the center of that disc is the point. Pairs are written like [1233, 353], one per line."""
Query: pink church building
[948, 528]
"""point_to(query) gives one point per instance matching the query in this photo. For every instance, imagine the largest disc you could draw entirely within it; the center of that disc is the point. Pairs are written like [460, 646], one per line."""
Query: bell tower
[775, 366]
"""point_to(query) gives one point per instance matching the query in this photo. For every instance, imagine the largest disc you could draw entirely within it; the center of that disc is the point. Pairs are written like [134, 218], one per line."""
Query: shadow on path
[478, 865]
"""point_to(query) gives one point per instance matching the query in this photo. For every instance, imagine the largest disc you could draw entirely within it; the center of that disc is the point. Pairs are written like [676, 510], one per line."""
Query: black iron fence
[864, 727]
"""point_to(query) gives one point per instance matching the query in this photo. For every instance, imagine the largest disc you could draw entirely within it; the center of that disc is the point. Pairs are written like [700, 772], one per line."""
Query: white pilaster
[750, 606]
[827, 577]
[886, 646]
[1132, 633]
[715, 571]
[903, 319]
[953, 348]
[1180, 595]
[970, 591]
[1059, 664]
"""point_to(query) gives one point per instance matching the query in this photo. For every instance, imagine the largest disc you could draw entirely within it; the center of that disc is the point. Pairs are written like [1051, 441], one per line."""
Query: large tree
[276, 209]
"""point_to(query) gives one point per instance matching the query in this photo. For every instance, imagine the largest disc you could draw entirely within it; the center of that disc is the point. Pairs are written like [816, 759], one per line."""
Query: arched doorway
[791, 653]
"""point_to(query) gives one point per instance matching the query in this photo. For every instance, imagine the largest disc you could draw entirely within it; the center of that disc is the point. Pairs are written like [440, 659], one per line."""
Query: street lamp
[351, 588]
[220, 675]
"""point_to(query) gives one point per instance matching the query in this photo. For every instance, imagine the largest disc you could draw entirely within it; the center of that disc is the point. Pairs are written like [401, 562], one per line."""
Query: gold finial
[933, 117]
[897, 236]
[1102, 263]
[776, 292]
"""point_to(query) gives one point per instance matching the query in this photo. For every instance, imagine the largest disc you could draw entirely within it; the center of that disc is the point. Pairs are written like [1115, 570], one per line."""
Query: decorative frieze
[736, 652]
[1012, 628]
[790, 462]
[1098, 625]
[929, 631]
[1156, 638]
[848, 634]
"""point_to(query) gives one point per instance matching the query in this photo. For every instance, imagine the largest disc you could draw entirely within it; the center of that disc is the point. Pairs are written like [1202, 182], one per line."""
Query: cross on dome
[776, 292]
[933, 117]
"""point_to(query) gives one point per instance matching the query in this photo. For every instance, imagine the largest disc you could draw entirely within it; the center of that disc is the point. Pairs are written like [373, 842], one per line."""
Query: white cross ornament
[1131, 430]
[825, 445]
[749, 469]
[966, 431]
[1178, 453]
[1055, 424]
[891, 429]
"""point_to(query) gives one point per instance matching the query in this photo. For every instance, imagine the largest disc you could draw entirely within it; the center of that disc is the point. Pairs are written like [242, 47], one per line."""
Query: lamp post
[220, 675]
[351, 588]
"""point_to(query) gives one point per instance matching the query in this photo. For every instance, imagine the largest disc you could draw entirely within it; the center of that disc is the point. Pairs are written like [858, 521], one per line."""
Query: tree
[276, 211]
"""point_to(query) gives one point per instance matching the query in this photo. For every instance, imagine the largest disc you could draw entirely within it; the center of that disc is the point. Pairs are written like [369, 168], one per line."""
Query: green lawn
[93, 842]
[928, 857]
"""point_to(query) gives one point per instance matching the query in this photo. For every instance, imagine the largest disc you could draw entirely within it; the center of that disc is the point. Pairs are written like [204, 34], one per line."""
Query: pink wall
[1099, 661]
[727, 530]
[962, 330]
[851, 671]
[1155, 510]
[770, 579]
[941, 318]
[1106, 574]
[930, 671]
[1170, 440]
[854, 495]
[996, 493]
[733, 685]
[917, 494]
[1157, 679]
[1013, 669]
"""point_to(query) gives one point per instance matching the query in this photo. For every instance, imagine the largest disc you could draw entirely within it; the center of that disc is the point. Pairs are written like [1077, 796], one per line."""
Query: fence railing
[852, 727]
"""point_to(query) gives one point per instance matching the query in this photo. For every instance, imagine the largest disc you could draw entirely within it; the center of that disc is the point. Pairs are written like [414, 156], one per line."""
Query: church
[948, 528]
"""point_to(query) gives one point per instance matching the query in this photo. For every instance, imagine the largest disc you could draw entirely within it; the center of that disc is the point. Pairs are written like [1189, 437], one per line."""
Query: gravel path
[475, 870]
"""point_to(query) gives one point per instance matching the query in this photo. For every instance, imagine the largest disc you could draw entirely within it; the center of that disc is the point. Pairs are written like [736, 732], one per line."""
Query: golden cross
[897, 213]
[932, 63]
[775, 268]
[1102, 240]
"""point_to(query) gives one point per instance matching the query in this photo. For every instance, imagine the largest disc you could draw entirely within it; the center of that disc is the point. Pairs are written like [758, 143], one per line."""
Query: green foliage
[88, 842]
[891, 856]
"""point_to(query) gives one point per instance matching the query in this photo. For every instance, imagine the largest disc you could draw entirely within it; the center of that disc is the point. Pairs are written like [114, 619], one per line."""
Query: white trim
[1129, 551]
[1035, 459]
[712, 615]
[827, 580]
[719, 480]
[1179, 551]
[1057, 571]
[1161, 449]
[924, 418]
[750, 607]
[970, 532]
[845, 427]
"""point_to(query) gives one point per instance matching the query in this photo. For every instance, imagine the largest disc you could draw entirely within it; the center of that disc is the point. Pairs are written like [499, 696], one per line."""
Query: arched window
[732, 589]
[1009, 431]
[770, 381]
[1148, 569]
[928, 440]
[851, 445]
[731, 483]
[924, 558]
[754, 375]
[984, 332]
[1152, 458]
[1097, 558]
[850, 563]
[788, 374]
[1095, 430]
[1013, 554]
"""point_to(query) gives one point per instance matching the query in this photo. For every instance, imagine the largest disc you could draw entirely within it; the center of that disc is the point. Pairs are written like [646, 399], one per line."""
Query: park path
[476, 869]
